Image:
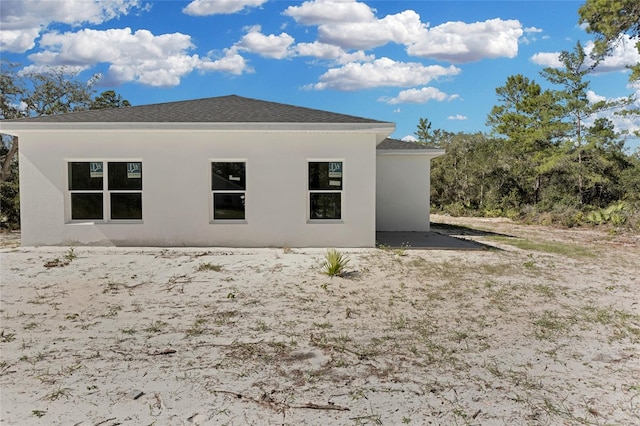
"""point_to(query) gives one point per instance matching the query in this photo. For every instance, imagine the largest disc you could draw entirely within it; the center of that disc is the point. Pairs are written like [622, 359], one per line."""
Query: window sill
[325, 221]
[229, 222]
[104, 222]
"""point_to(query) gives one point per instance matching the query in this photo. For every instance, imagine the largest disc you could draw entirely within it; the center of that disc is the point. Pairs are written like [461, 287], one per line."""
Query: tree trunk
[5, 172]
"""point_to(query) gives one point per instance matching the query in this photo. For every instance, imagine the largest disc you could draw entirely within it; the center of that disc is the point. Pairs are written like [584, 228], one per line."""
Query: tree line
[552, 156]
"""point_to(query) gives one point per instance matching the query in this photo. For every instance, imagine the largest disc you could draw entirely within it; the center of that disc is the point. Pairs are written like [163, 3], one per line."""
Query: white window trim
[106, 193]
[309, 191]
[214, 221]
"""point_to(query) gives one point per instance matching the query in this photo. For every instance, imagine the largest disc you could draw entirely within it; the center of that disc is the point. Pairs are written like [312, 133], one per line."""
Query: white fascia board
[8, 127]
[430, 152]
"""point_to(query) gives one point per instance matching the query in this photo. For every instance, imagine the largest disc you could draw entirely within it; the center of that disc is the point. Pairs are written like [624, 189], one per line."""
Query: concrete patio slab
[426, 240]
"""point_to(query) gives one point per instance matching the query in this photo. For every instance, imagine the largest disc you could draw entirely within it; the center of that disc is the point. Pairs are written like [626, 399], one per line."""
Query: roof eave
[377, 127]
[430, 152]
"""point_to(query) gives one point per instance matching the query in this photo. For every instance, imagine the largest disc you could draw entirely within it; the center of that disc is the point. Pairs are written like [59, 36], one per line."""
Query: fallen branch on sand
[266, 400]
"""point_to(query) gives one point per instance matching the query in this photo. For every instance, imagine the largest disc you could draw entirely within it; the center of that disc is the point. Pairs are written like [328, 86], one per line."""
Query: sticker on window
[335, 169]
[133, 171]
[95, 169]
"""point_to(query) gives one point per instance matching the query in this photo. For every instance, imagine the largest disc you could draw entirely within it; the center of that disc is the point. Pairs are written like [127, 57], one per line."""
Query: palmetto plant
[334, 263]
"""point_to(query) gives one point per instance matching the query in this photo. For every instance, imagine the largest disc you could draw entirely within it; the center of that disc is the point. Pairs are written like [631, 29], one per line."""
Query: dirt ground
[537, 326]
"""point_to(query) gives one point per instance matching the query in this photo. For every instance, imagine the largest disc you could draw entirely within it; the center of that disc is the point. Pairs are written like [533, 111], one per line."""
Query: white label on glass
[133, 171]
[95, 168]
[335, 169]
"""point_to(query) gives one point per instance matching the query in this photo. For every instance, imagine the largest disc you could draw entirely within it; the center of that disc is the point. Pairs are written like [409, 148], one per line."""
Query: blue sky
[388, 60]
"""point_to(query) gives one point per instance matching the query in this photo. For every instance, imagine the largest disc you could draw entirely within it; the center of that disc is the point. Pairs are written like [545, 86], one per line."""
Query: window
[125, 190]
[325, 190]
[120, 200]
[86, 185]
[228, 183]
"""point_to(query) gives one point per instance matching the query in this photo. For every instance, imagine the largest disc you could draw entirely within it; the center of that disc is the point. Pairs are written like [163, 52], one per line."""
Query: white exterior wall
[176, 187]
[403, 191]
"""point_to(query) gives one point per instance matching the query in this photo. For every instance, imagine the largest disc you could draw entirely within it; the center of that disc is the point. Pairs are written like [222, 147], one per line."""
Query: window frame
[310, 191]
[213, 192]
[104, 191]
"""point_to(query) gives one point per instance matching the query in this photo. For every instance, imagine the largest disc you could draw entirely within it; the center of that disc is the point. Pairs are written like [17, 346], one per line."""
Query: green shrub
[334, 263]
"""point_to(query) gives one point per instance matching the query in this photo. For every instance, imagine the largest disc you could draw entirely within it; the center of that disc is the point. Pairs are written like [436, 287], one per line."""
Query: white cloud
[420, 96]
[232, 62]
[409, 138]
[593, 97]
[270, 46]
[219, 7]
[352, 25]
[44, 69]
[623, 54]
[331, 52]
[133, 56]
[548, 59]
[458, 42]
[380, 73]
[457, 117]
[529, 30]
[330, 12]
[21, 22]
[401, 28]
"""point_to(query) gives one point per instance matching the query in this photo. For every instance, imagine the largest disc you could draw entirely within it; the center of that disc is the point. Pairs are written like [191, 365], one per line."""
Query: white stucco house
[224, 171]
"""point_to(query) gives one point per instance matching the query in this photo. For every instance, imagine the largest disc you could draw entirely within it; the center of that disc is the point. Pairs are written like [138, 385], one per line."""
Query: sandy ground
[540, 327]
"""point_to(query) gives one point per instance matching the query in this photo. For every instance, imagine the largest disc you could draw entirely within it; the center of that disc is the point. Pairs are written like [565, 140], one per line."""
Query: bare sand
[539, 327]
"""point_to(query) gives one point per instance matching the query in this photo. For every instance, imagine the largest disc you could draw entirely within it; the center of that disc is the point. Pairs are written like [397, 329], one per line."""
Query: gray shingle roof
[395, 144]
[223, 109]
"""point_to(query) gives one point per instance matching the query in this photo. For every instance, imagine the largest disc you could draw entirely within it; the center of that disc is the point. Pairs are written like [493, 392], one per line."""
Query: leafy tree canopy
[109, 99]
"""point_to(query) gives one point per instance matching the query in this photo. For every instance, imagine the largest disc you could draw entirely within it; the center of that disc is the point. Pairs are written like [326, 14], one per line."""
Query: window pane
[85, 175]
[325, 175]
[325, 205]
[125, 175]
[228, 206]
[86, 206]
[126, 206]
[228, 176]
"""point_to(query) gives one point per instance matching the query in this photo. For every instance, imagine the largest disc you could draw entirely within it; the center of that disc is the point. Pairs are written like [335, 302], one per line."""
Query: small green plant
[70, 255]
[58, 393]
[402, 251]
[7, 337]
[38, 413]
[31, 326]
[197, 328]
[334, 263]
[208, 267]
[156, 327]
